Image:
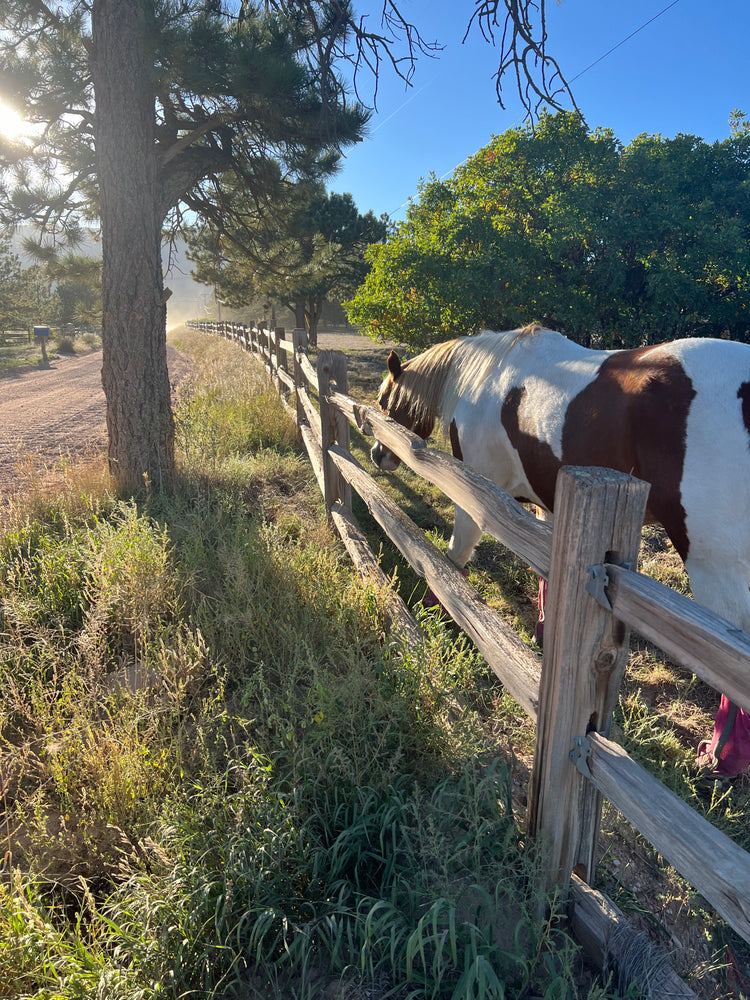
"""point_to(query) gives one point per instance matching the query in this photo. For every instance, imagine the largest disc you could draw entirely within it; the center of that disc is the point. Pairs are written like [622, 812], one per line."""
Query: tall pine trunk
[134, 370]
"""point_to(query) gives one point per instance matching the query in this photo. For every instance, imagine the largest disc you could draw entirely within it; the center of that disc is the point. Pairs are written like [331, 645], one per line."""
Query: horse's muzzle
[384, 458]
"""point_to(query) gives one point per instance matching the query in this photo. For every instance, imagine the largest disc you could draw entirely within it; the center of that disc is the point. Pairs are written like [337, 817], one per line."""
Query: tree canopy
[613, 245]
[306, 248]
[15, 300]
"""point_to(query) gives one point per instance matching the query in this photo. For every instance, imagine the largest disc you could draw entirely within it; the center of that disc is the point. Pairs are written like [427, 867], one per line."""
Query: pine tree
[144, 104]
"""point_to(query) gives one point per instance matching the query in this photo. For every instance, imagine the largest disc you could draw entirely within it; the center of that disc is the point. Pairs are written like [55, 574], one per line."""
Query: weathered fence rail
[593, 601]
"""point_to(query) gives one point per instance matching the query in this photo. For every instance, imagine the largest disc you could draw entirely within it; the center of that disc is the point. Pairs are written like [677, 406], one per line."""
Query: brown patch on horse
[743, 394]
[412, 397]
[633, 417]
[540, 463]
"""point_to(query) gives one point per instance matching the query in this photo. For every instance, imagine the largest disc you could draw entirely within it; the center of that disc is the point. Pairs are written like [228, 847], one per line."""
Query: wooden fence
[594, 599]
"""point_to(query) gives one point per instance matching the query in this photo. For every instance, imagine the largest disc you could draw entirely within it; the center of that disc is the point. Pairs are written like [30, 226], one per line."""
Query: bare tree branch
[522, 28]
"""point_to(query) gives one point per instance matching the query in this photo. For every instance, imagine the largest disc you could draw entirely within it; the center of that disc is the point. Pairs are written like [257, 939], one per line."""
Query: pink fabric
[734, 756]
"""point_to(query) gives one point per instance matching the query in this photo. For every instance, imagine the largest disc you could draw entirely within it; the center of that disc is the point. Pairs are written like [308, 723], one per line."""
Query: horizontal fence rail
[592, 603]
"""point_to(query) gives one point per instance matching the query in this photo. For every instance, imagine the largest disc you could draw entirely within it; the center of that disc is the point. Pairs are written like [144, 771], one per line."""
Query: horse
[520, 404]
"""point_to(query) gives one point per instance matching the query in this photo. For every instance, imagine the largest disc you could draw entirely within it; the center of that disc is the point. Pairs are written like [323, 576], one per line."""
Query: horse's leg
[725, 592]
[466, 534]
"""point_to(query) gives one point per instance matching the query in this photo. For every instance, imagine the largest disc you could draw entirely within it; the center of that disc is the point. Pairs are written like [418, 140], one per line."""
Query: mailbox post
[41, 335]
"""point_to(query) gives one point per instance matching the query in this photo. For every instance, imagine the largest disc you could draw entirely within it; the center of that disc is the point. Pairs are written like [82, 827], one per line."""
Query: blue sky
[683, 72]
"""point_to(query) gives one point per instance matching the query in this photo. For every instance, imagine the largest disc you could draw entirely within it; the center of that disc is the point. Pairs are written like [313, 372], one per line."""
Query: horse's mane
[431, 384]
[480, 357]
[421, 385]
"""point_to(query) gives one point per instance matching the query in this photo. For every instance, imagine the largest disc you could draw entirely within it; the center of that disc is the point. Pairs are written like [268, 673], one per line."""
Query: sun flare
[11, 123]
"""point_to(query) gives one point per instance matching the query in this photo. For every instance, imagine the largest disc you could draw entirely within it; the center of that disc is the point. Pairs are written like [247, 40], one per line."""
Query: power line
[631, 35]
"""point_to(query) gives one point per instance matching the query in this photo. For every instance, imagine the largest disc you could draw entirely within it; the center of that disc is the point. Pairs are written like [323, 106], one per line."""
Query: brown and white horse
[519, 405]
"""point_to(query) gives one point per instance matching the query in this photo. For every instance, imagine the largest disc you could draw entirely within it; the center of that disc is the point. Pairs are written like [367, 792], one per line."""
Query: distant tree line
[614, 245]
[61, 291]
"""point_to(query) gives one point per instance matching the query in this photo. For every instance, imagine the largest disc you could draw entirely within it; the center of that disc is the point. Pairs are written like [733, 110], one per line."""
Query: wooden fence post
[334, 427]
[298, 342]
[598, 517]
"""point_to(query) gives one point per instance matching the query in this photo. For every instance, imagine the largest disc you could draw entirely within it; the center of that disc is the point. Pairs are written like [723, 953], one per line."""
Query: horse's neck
[475, 359]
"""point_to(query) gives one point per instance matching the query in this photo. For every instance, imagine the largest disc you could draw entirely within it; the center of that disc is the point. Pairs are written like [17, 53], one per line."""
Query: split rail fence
[594, 599]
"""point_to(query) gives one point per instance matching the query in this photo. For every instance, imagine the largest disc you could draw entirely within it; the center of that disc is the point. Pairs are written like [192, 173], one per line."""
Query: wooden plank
[308, 409]
[285, 378]
[609, 940]
[710, 646]
[585, 652]
[494, 510]
[401, 620]
[709, 860]
[314, 453]
[298, 339]
[281, 359]
[511, 660]
[289, 409]
[308, 371]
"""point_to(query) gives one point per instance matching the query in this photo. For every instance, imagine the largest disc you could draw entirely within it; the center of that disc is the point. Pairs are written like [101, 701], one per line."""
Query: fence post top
[596, 475]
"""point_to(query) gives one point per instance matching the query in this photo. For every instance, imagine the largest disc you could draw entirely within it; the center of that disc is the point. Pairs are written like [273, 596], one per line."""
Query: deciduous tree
[614, 245]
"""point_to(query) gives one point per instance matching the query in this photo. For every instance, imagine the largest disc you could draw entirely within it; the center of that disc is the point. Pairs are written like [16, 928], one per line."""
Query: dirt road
[46, 413]
[49, 412]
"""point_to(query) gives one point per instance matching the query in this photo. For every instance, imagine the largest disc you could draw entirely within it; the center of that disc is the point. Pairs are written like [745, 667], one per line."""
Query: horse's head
[383, 457]
[411, 395]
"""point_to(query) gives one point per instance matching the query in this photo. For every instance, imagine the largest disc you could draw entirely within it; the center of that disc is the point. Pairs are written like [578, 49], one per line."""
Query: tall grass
[219, 776]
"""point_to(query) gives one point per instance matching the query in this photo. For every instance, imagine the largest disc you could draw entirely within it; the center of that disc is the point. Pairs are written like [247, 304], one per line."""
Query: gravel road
[49, 412]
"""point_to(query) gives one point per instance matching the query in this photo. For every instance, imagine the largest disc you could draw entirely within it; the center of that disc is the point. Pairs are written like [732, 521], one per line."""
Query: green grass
[219, 776]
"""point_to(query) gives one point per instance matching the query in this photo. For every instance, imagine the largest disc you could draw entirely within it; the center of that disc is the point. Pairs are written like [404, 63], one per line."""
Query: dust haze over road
[46, 413]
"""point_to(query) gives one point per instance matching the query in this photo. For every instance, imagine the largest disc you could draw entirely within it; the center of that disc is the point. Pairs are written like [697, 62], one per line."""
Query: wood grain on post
[334, 427]
[598, 518]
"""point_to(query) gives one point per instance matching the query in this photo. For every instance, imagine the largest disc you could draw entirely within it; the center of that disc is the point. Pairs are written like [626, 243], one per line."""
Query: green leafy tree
[303, 250]
[613, 245]
[42, 302]
[78, 288]
[73, 282]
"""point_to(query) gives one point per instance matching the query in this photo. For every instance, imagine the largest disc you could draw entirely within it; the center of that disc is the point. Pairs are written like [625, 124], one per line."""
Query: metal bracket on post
[599, 581]
[580, 755]
[597, 585]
